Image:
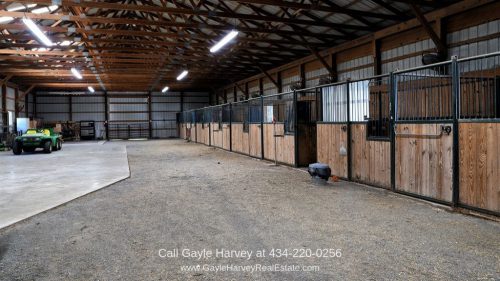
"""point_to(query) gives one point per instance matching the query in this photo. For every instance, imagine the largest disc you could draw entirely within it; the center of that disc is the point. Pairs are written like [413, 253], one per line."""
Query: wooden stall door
[424, 155]
[332, 147]
[306, 126]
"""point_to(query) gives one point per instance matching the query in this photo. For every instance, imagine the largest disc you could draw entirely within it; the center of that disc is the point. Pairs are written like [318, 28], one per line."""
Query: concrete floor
[183, 195]
[35, 182]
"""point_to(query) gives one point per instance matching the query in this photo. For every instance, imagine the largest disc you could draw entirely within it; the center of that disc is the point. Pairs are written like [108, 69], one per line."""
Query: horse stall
[202, 124]
[240, 129]
[430, 132]
[353, 131]
[424, 133]
[479, 134]
[279, 128]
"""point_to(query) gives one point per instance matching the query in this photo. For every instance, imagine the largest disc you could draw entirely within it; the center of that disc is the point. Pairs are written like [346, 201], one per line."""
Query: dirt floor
[188, 196]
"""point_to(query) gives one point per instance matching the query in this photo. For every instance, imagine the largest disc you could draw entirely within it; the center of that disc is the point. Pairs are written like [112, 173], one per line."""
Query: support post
[16, 108]
[262, 127]
[230, 127]
[393, 85]
[70, 102]
[106, 113]
[150, 116]
[4, 106]
[295, 129]
[349, 133]
[455, 76]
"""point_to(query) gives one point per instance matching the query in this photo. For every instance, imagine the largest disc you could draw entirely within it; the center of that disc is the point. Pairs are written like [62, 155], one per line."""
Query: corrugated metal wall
[164, 110]
[124, 109]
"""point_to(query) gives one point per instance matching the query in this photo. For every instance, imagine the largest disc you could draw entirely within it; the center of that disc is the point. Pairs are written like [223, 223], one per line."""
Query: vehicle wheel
[47, 147]
[29, 149]
[17, 148]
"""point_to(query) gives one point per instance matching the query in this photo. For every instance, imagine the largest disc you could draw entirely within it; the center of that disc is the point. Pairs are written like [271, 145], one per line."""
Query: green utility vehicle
[37, 138]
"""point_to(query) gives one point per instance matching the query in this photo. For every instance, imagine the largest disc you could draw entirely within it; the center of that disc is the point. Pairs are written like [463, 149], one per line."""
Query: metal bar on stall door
[456, 154]
[349, 133]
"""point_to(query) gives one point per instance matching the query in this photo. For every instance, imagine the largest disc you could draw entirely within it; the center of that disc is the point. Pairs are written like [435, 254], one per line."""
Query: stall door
[424, 136]
[306, 126]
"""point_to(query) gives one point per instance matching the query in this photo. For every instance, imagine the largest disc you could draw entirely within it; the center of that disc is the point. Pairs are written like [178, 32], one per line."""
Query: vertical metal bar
[230, 127]
[296, 129]
[393, 92]
[456, 154]
[261, 127]
[210, 126]
[497, 97]
[106, 113]
[349, 133]
[150, 116]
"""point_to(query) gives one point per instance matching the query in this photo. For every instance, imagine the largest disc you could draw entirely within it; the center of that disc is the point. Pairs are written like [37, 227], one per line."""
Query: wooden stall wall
[332, 139]
[239, 139]
[226, 136]
[182, 130]
[254, 140]
[371, 160]
[285, 144]
[480, 165]
[202, 133]
[216, 134]
[424, 159]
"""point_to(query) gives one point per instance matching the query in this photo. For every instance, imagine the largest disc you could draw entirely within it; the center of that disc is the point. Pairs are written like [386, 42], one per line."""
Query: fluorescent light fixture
[165, 89]
[230, 36]
[20, 7]
[65, 43]
[91, 89]
[182, 75]
[45, 9]
[5, 19]
[38, 33]
[76, 73]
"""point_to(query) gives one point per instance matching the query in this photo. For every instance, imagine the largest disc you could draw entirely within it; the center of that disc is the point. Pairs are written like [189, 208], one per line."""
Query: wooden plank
[370, 159]
[480, 165]
[331, 139]
[424, 163]
[285, 144]
[254, 140]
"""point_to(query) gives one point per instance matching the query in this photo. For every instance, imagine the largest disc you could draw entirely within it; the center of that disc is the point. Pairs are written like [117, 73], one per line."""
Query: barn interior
[249, 140]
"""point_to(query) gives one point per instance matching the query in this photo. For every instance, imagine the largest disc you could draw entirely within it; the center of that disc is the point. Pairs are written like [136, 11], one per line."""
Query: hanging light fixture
[37, 32]
[230, 36]
[182, 75]
[76, 73]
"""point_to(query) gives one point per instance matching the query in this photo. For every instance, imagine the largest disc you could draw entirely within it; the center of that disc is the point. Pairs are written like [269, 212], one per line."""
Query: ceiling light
[20, 7]
[65, 43]
[45, 9]
[165, 89]
[230, 36]
[76, 73]
[5, 19]
[38, 33]
[182, 75]
[91, 89]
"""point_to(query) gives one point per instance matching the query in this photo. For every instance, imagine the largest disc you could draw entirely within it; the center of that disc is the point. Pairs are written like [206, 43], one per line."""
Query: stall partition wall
[430, 132]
